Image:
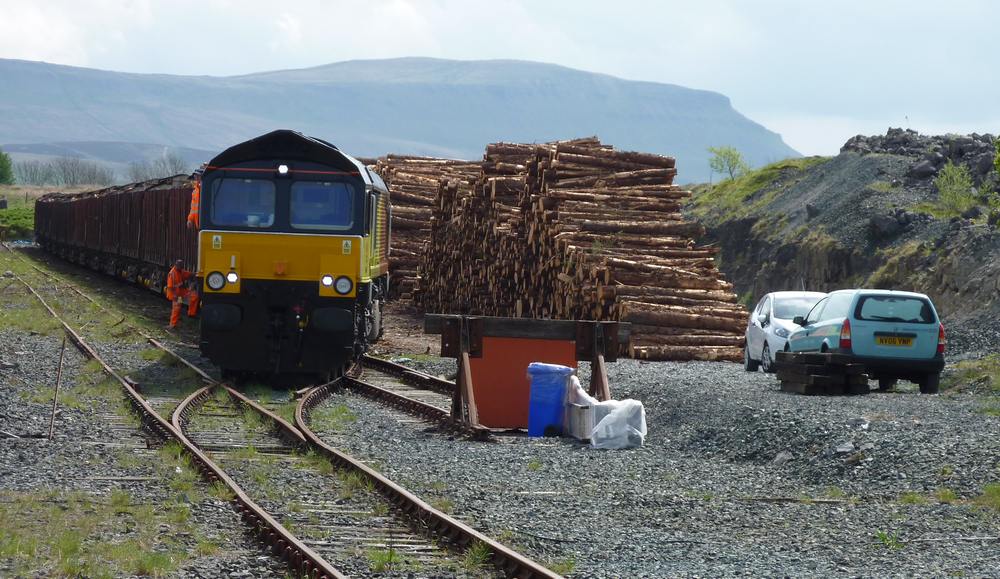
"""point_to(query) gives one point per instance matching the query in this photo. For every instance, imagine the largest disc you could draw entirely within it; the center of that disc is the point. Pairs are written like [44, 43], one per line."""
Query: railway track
[335, 513]
[284, 544]
[226, 454]
[511, 563]
[413, 392]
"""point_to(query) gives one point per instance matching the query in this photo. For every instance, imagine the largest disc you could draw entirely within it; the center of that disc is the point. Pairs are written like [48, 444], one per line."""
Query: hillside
[868, 217]
[116, 155]
[407, 105]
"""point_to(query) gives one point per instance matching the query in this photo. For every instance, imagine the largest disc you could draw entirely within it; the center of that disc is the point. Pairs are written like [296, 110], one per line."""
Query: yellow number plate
[893, 341]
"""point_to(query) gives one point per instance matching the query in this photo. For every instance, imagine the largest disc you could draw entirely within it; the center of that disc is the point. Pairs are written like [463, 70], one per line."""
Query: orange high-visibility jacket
[175, 281]
[195, 205]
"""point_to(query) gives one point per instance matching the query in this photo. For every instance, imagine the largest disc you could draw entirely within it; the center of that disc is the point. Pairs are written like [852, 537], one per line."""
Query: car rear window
[788, 308]
[838, 306]
[900, 309]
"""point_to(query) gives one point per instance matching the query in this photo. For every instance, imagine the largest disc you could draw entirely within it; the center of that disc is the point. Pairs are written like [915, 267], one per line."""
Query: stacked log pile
[413, 184]
[479, 256]
[578, 230]
[612, 244]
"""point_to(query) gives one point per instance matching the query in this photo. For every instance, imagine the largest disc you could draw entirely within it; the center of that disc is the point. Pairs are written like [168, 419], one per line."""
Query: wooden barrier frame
[462, 339]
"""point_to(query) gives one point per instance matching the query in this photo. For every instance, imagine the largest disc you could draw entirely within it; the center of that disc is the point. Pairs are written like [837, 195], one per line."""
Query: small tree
[6, 169]
[166, 165]
[727, 160]
[954, 185]
[33, 172]
[996, 160]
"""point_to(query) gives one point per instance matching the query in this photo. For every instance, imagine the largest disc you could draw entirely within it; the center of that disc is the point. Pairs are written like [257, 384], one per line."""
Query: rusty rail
[283, 544]
[410, 376]
[510, 562]
[407, 404]
[418, 408]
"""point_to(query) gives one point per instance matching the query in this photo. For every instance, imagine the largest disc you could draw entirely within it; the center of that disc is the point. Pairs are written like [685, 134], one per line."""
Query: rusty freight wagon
[133, 231]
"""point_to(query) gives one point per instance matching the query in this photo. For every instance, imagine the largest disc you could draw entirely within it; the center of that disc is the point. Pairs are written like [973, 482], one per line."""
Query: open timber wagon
[134, 231]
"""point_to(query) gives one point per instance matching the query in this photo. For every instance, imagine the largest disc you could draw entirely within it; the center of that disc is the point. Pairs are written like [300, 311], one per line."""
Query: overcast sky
[816, 72]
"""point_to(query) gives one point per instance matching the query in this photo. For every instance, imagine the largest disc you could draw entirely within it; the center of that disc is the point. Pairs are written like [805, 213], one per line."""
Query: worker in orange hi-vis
[193, 221]
[177, 290]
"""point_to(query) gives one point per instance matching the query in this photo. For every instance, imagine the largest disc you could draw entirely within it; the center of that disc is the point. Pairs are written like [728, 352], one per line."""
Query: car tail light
[845, 335]
[941, 340]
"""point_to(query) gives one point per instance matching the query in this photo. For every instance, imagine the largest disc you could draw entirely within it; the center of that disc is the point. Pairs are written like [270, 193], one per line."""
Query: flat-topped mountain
[372, 107]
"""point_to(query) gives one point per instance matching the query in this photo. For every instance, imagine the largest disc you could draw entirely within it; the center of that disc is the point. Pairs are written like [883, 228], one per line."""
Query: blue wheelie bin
[545, 403]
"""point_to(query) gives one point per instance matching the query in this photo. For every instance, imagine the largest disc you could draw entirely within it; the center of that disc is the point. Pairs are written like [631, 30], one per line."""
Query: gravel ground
[97, 456]
[735, 479]
[720, 487]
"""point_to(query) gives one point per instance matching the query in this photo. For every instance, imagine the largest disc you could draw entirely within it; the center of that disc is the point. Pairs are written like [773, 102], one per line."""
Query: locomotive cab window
[243, 203]
[322, 205]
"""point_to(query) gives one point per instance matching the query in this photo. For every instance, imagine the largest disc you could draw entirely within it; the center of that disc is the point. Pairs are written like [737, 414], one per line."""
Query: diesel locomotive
[292, 256]
[292, 250]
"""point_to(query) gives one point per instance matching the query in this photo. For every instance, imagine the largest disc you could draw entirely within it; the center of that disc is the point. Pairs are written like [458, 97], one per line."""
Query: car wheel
[886, 383]
[930, 384]
[749, 364]
[765, 360]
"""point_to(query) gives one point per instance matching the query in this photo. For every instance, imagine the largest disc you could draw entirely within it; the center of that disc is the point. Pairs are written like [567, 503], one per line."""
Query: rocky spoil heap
[931, 152]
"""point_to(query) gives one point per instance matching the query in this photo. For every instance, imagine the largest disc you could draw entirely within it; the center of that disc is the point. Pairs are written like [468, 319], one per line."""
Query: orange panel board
[500, 377]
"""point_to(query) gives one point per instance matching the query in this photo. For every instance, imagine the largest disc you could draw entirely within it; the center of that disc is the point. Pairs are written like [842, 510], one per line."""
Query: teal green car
[896, 335]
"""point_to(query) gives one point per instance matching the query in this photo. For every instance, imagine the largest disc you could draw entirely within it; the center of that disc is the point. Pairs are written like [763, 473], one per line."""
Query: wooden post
[457, 341]
[465, 372]
[55, 397]
[595, 341]
[599, 387]
[470, 412]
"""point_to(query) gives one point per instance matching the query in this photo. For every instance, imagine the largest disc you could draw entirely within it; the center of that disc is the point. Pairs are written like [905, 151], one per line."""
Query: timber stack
[578, 230]
[413, 184]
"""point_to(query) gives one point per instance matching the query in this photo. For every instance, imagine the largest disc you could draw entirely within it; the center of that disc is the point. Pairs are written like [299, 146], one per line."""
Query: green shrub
[954, 185]
[6, 169]
[946, 495]
[990, 497]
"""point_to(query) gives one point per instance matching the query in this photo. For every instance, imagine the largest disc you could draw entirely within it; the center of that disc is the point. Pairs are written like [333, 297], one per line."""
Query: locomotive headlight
[231, 277]
[326, 280]
[282, 169]
[215, 280]
[344, 285]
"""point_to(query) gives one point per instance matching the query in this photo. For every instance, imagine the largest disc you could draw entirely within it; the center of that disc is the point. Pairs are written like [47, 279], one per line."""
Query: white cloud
[812, 71]
[289, 33]
[33, 31]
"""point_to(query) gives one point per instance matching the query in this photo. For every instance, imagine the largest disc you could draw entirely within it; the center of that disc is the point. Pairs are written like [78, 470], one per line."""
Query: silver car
[770, 325]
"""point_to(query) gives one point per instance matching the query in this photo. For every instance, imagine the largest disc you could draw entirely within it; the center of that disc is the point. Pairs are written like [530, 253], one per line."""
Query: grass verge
[54, 533]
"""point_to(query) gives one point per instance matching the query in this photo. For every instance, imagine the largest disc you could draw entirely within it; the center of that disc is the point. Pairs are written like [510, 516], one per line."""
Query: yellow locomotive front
[292, 256]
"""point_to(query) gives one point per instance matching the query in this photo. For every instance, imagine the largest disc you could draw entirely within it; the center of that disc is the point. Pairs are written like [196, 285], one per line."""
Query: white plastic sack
[621, 424]
[575, 394]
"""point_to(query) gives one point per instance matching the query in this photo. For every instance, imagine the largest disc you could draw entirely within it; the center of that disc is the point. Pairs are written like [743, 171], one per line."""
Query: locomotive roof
[288, 145]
